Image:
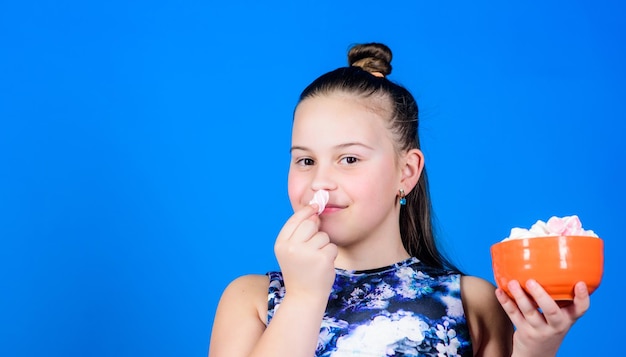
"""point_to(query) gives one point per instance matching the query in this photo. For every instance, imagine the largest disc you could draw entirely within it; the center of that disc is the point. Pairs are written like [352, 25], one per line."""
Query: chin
[339, 238]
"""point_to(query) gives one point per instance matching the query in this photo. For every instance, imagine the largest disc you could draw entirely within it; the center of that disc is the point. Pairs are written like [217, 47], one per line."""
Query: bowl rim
[544, 238]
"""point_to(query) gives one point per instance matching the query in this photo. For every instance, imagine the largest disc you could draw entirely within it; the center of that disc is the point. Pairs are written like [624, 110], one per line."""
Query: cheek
[380, 185]
[368, 190]
[295, 188]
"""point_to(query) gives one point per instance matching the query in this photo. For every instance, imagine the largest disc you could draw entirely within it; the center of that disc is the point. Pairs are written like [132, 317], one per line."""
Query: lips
[333, 208]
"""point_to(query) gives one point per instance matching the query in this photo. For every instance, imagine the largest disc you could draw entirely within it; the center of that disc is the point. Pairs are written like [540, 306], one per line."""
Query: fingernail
[531, 284]
[499, 293]
[513, 285]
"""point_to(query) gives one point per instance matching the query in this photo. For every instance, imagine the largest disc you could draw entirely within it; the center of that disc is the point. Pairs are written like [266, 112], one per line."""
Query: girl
[365, 276]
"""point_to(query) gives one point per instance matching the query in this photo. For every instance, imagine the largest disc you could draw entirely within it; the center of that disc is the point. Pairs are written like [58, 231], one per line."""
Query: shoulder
[244, 299]
[246, 289]
[476, 289]
[241, 311]
[490, 328]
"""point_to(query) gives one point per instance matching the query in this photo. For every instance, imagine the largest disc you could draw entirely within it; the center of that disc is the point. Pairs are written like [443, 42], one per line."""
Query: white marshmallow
[321, 198]
[555, 226]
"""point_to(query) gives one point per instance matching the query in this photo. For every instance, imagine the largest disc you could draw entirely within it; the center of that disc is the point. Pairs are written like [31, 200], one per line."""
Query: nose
[324, 178]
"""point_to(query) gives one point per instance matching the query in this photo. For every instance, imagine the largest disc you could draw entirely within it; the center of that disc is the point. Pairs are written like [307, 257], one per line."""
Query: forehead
[340, 115]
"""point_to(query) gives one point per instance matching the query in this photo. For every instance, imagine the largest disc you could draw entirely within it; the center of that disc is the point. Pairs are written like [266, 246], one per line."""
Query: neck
[371, 256]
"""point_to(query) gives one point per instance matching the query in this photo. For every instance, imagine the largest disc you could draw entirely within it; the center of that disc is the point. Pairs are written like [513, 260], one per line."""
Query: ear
[412, 166]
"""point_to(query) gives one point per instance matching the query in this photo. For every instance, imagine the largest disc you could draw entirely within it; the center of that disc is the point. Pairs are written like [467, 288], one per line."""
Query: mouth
[331, 208]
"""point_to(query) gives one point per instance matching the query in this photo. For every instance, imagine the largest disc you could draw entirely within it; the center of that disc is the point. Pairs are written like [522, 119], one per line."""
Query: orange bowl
[557, 263]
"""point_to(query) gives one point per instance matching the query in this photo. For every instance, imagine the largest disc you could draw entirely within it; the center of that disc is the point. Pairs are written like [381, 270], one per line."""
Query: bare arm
[306, 257]
[239, 320]
[490, 328]
[239, 328]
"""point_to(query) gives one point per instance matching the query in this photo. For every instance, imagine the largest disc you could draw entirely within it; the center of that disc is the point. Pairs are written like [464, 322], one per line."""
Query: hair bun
[372, 57]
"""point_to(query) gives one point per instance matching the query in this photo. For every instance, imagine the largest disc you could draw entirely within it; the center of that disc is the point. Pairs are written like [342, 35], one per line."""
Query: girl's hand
[306, 256]
[540, 323]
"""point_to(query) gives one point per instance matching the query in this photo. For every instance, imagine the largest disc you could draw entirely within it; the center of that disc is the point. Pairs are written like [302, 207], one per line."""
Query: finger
[525, 304]
[318, 240]
[294, 221]
[330, 250]
[549, 307]
[305, 231]
[512, 310]
[581, 300]
[541, 297]
[510, 307]
[321, 241]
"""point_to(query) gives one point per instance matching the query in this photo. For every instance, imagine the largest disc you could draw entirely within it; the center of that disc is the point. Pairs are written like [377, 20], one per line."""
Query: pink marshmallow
[321, 198]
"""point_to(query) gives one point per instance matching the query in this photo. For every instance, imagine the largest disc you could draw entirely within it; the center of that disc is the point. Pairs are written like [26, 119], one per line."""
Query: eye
[350, 160]
[305, 161]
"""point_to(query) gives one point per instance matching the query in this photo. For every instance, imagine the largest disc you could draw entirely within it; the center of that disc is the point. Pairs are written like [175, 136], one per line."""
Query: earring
[402, 197]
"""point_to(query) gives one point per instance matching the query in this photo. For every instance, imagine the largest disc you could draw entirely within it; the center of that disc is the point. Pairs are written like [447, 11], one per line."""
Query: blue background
[144, 149]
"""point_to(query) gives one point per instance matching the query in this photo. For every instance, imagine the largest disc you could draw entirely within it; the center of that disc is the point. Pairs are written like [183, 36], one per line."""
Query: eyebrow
[340, 146]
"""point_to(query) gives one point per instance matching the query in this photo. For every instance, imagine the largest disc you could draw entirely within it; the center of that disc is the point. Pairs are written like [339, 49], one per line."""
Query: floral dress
[405, 309]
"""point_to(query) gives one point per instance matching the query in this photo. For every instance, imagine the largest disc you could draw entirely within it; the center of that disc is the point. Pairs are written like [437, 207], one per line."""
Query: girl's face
[342, 146]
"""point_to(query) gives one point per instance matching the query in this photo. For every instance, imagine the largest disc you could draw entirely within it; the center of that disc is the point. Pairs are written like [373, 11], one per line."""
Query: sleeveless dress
[405, 309]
